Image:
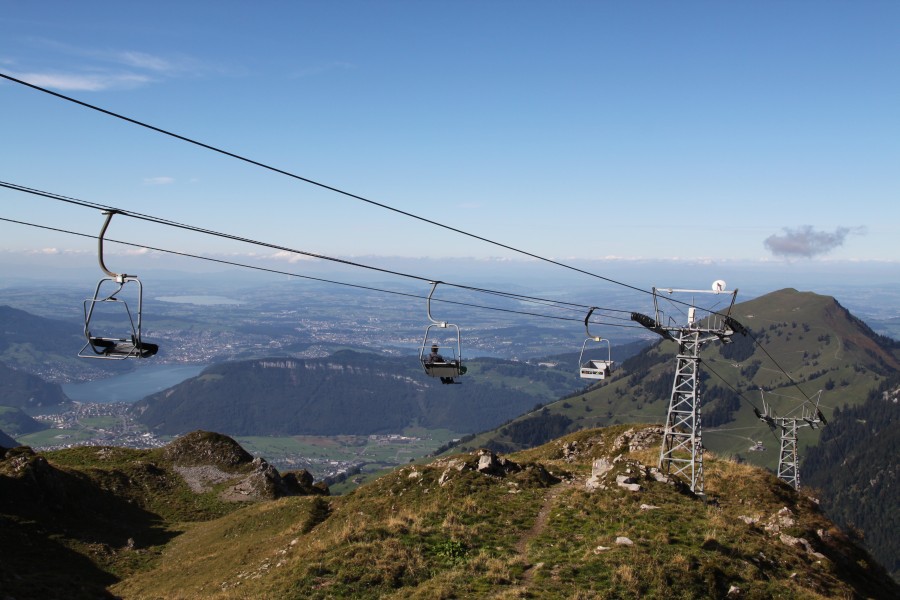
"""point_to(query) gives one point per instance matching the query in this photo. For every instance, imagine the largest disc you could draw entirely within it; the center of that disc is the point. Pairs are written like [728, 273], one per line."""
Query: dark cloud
[807, 242]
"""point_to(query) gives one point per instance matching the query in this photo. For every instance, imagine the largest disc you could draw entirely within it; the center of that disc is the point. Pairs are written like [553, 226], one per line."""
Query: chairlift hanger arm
[434, 285]
[119, 278]
[587, 329]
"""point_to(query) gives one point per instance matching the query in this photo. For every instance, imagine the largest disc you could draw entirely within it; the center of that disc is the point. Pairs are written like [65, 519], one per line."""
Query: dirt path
[540, 523]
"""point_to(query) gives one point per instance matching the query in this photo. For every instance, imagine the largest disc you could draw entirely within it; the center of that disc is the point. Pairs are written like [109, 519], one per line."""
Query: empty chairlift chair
[106, 311]
[594, 368]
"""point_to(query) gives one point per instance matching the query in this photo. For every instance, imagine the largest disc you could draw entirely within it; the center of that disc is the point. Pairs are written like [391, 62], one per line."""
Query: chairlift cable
[157, 220]
[315, 183]
[166, 222]
[309, 277]
[733, 389]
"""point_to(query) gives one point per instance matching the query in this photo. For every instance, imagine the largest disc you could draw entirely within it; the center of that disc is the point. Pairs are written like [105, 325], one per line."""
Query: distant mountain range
[349, 393]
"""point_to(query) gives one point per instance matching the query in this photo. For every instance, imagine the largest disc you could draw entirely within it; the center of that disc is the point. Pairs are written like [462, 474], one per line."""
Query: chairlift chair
[110, 346]
[448, 368]
[594, 368]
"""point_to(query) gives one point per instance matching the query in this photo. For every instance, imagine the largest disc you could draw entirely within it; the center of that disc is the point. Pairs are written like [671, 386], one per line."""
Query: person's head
[434, 348]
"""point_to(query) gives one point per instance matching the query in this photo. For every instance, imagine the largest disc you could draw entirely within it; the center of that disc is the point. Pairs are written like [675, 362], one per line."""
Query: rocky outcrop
[490, 464]
[205, 460]
[265, 483]
[207, 448]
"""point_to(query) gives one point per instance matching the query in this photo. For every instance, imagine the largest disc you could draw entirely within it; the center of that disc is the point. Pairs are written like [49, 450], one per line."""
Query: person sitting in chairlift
[435, 357]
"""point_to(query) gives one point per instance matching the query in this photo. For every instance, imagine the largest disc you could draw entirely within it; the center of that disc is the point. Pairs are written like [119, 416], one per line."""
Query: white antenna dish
[718, 286]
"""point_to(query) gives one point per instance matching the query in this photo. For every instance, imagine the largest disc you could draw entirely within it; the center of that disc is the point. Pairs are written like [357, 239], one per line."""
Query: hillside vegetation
[19, 389]
[73, 522]
[855, 470]
[348, 393]
[48, 348]
[812, 338]
[585, 516]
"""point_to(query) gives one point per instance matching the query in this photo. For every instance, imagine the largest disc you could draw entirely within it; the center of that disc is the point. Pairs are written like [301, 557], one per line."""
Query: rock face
[206, 448]
[264, 482]
[487, 463]
[599, 468]
[206, 460]
[490, 464]
[300, 483]
[639, 439]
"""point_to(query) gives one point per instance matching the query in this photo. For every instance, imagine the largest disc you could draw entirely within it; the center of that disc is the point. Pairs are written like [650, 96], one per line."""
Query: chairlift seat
[591, 368]
[120, 348]
[450, 368]
[596, 369]
[443, 368]
[116, 348]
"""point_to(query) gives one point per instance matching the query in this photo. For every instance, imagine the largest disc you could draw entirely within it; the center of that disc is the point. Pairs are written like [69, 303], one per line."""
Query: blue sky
[759, 132]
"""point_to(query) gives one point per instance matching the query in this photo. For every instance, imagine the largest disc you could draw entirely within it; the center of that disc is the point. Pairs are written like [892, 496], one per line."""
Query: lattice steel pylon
[681, 452]
[788, 458]
[788, 467]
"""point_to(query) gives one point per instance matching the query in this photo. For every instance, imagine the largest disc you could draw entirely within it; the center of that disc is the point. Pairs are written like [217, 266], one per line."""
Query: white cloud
[159, 180]
[92, 82]
[142, 60]
[103, 69]
[807, 242]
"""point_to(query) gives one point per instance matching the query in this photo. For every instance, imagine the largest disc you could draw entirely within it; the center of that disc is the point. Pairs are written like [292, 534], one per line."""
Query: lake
[133, 386]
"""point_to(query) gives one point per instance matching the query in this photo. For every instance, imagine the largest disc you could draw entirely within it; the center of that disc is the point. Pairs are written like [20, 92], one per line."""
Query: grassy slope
[73, 522]
[809, 335]
[407, 536]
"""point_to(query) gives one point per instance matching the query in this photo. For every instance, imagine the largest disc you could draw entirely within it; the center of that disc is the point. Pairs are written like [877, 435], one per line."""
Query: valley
[344, 460]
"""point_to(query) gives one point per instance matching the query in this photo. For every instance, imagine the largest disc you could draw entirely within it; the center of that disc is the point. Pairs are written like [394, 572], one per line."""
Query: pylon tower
[681, 452]
[788, 468]
[788, 458]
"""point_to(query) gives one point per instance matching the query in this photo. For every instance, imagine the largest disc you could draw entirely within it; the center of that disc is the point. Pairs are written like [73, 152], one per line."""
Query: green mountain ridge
[48, 348]
[812, 338]
[584, 516]
[820, 345]
[19, 389]
[73, 522]
[348, 393]
[17, 422]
